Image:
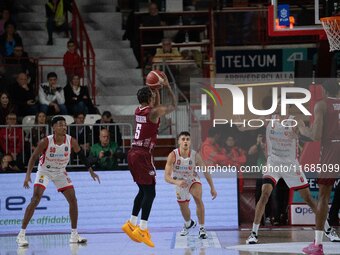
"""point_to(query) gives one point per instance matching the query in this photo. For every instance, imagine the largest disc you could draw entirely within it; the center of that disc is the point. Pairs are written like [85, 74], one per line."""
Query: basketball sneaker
[252, 239]
[185, 229]
[202, 234]
[332, 235]
[313, 249]
[143, 236]
[128, 228]
[21, 240]
[76, 238]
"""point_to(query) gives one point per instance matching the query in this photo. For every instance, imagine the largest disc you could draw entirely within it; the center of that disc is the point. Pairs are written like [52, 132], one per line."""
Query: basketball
[155, 79]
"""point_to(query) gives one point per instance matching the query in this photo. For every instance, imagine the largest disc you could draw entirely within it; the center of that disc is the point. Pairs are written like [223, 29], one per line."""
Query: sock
[74, 231]
[143, 224]
[327, 226]
[201, 226]
[255, 228]
[133, 220]
[318, 237]
[22, 231]
[188, 223]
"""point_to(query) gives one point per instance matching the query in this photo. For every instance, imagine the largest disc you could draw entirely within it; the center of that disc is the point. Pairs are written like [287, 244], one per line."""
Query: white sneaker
[76, 238]
[21, 240]
[185, 229]
[332, 235]
[252, 239]
[202, 234]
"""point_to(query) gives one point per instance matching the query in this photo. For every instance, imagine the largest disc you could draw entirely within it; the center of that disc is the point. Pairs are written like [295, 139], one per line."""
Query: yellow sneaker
[143, 236]
[128, 228]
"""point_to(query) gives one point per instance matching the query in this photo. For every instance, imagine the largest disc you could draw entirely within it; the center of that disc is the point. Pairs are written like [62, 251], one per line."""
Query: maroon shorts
[330, 160]
[141, 166]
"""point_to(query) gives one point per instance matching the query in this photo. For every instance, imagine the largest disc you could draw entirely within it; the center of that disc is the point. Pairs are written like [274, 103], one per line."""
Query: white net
[331, 25]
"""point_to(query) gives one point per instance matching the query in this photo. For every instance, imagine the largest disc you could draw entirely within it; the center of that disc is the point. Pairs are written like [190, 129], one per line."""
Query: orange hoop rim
[333, 18]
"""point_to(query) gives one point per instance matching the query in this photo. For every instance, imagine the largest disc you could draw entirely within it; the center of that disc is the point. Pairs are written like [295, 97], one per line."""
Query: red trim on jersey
[269, 177]
[185, 201]
[179, 152]
[193, 184]
[301, 187]
[65, 139]
[65, 188]
[39, 185]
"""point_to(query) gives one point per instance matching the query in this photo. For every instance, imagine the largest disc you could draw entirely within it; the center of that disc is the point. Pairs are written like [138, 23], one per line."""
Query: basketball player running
[326, 128]
[282, 162]
[140, 159]
[180, 170]
[55, 155]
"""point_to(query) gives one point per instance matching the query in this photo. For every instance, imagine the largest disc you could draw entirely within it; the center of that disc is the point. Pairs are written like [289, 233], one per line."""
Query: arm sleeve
[60, 96]
[42, 96]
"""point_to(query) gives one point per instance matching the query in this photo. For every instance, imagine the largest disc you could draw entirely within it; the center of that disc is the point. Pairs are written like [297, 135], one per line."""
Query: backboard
[304, 16]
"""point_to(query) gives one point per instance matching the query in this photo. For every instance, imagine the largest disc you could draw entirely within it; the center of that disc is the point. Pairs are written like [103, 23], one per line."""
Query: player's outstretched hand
[213, 194]
[94, 176]
[26, 182]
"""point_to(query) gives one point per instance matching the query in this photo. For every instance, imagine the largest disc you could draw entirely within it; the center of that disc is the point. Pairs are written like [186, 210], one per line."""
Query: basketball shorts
[331, 160]
[289, 172]
[61, 180]
[183, 194]
[141, 166]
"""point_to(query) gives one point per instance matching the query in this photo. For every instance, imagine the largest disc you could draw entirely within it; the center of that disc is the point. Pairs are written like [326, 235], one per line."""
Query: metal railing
[21, 140]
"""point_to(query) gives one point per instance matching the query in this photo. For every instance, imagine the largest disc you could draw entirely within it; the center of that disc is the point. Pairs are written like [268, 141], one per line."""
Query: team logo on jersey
[48, 166]
[190, 168]
[152, 173]
[65, 154]
[66, 148]
[52, 150]
[51, 155]
[190, 162]
[177, 167]
[178, 162]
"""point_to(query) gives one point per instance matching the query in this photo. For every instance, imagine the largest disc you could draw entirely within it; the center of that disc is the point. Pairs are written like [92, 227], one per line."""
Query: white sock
[255, 228]
[22, 232]
[133, 220]
[74, 231]
[201, 225]
[143, 224]
[318, 237]
[188, 223]
[327, 226]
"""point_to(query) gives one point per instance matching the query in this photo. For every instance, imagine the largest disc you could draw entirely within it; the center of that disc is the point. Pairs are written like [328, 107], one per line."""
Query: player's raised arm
[200, 162]
[42, 146]
[162, 110]
[83, 159]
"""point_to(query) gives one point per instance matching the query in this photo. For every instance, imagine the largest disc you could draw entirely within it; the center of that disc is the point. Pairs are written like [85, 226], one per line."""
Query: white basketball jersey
[281, 145]
[184, 168]
[56, 157]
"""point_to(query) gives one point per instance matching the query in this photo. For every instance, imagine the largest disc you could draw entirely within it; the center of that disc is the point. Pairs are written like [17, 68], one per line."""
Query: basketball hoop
[331, 25]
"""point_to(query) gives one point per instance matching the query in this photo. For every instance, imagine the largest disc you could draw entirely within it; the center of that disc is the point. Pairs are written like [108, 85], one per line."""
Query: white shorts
[183, 194]
[61, 180]
[289, 172]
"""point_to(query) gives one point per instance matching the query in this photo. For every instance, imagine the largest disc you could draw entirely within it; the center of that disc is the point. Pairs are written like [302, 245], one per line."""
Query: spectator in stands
[212, 153]
[81, 132]
[5, 16]
[11, 137]
[73, 64]
[8, 164]
[37, 133]
[77, 98]
[6, 107]
[104, 152]
[235, 154]
[56, 19]
[9, 39]
[20, 63]
[51, 96]
[24, 96]
[167, 52]
[115, 135]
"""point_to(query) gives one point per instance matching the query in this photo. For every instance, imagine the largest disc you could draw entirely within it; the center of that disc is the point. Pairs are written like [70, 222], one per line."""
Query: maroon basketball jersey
[146, 130]
[331, 129]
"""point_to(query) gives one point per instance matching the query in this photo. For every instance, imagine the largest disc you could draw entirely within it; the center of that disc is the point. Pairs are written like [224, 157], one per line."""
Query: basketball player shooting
[180, 170]
[54, 152]
[140, 158]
